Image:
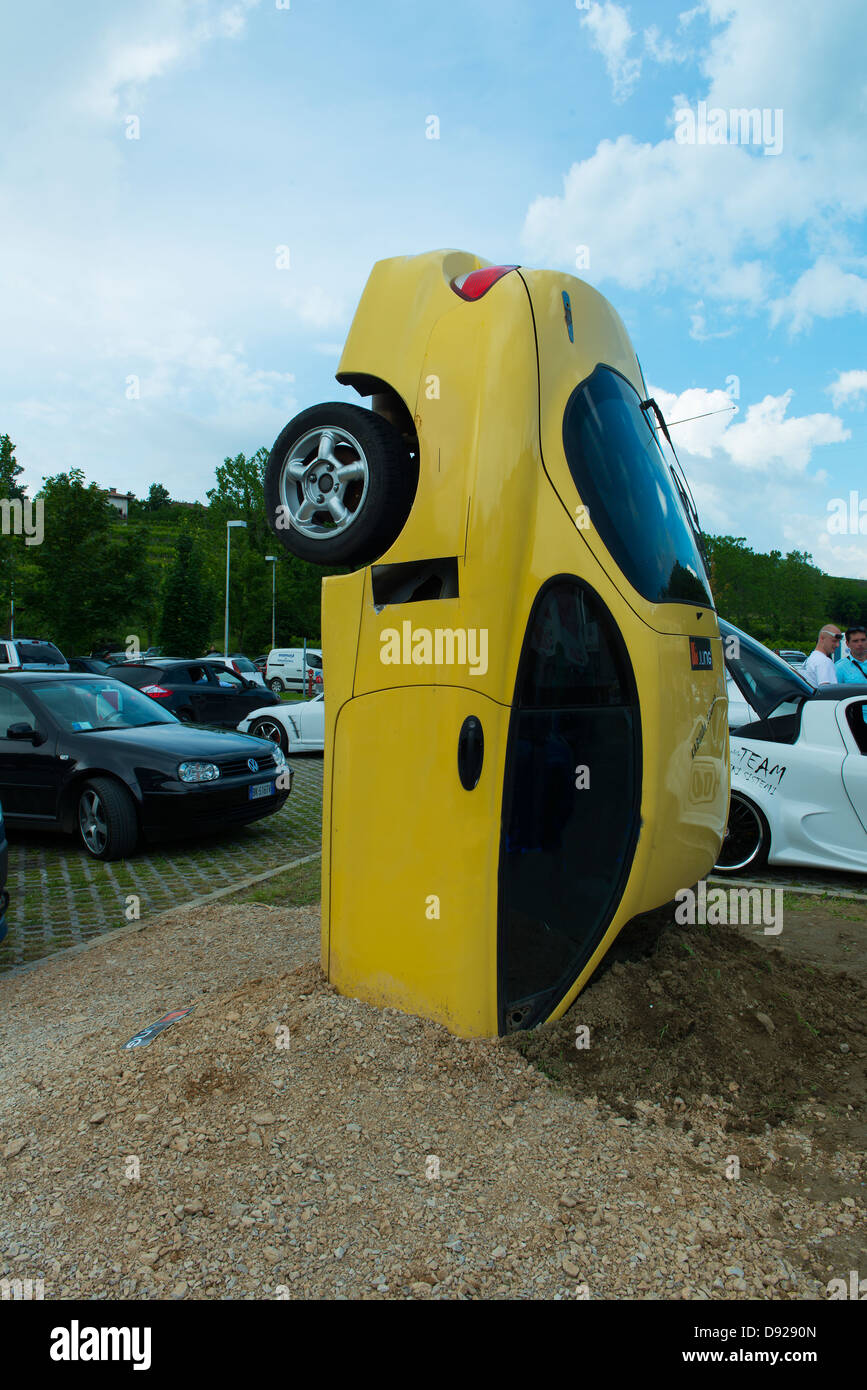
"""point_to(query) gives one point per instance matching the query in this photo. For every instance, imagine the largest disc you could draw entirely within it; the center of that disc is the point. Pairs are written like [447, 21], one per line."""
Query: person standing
[819, 669]
[854, 669]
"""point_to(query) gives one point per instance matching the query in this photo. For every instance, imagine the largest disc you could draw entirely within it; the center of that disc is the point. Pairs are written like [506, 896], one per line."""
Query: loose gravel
[284, 1142]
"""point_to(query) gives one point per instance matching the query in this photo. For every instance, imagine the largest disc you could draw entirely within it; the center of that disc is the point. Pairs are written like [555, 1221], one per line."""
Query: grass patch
[297, 887]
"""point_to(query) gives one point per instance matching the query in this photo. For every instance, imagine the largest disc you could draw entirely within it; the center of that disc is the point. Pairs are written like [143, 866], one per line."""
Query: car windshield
[243, 663]
[765, 680]
[88, 706]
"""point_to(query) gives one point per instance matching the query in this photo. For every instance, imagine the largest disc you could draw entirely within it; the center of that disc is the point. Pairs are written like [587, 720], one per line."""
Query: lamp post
[229, 525]
[273, 559]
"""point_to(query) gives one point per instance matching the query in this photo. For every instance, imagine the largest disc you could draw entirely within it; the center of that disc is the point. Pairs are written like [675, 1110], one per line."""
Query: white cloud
[824, 291]
[713, 218]
[847, 388]
[611, 35]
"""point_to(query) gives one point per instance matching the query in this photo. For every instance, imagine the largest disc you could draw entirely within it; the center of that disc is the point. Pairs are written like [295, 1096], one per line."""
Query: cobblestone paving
[59, 896]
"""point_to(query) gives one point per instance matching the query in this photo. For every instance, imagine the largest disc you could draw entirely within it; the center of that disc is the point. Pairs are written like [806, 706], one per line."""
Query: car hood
[178, 741]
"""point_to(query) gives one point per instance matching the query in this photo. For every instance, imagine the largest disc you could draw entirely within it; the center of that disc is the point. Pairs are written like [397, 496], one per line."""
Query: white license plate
[261, 789]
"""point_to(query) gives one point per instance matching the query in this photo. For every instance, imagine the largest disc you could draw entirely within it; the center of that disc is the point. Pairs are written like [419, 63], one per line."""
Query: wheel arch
[385, 401]
[72, 791]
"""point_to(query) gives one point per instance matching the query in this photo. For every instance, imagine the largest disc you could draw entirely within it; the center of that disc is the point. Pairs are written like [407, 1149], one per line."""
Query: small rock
[571, 1269]
[263, 1117]
[98, 1116]
[766, 1022]
[14, 1147]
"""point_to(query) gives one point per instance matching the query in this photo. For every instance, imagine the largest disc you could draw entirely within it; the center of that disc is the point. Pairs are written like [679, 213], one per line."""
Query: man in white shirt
[818, 669]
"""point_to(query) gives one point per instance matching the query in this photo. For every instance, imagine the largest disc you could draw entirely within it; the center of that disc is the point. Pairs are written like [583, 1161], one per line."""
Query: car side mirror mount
[25, 733]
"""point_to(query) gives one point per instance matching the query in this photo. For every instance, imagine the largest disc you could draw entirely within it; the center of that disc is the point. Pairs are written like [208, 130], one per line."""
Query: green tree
[186, 620]
[10, 470]
[86, 576]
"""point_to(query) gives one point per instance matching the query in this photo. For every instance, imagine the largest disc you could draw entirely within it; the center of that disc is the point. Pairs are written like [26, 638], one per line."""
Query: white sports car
[298, 727]
[799, 766]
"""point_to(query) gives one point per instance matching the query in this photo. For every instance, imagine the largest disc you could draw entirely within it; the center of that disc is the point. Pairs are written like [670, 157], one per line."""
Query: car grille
[237, 767]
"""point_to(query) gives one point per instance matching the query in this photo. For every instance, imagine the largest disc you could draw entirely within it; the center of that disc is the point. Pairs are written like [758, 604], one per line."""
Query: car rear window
[136, 675]
[629, 491]
[314, 661]
[40, 654]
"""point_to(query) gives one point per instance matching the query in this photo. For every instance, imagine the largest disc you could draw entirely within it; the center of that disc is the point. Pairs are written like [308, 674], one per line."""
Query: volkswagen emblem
[252, 765]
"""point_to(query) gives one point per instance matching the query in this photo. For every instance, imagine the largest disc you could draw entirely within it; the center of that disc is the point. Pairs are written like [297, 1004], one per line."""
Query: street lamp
[229, 525]
[273, 558]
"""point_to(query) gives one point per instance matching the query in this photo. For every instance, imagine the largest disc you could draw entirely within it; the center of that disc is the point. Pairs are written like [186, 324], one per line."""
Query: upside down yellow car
[526, 738]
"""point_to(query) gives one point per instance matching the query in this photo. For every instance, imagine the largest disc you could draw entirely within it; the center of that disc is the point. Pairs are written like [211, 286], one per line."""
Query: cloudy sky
[154, 158]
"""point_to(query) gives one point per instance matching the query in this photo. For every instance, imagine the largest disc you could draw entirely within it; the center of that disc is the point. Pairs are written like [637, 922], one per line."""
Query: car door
[312, 723]
[229, 698]
[29, 772]
[196, 689]
[852, 718]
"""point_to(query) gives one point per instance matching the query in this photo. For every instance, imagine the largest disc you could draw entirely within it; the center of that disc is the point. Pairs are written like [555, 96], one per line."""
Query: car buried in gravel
[93, 755]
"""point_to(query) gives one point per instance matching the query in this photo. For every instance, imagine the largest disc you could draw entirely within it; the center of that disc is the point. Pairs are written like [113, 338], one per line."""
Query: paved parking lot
[59, 896]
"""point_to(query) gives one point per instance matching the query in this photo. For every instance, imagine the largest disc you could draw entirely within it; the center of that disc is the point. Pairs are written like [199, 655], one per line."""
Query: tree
[9, 470]
[186, 621]
[158, 498]
[86, 574]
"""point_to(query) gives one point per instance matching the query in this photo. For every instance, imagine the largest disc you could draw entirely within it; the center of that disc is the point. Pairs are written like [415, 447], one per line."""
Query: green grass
[295, 888]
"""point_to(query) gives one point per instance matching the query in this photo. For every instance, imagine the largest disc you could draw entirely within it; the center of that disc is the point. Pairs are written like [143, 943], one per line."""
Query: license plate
[261, 789]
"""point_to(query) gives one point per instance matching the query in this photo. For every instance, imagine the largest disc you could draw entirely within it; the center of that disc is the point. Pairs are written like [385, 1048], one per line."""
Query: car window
[40, 654]
[629, 491]
[314, 661]
[243, 663]
[4, 655]
[227, 678]
[186, 675]
[95, 703]
[856, 716]
[13, 711]
[134, 675]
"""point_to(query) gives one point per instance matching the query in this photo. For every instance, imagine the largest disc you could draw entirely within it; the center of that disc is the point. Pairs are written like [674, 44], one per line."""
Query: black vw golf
[90, 753]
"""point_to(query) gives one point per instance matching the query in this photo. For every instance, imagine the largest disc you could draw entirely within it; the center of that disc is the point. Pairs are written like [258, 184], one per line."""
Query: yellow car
[526, 741]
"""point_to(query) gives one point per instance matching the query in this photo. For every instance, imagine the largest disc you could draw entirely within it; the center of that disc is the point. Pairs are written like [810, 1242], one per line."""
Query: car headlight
[198, 772]
[279, 756]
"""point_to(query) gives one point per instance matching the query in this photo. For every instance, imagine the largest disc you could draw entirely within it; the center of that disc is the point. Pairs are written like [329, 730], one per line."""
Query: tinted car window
[766, 682]
[628, 489]
[136, 675]
[314, 661]
[40, 654]
[227, 678]
[12, 710]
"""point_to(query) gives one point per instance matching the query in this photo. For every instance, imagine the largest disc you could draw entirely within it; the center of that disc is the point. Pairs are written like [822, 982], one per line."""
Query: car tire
[276, 686]
[259, 725]
[376, 497]
[107, 821]
[747, 839]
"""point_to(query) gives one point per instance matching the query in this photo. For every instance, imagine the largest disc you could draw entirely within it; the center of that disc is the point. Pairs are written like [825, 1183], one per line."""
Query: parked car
[243, 666]
[30, 654]
[798, 768]
[198, 692]
[94, 754]
[795, 659]
[90, 664]
[297, 728]
[260, 662]
[4, 874]
[286, 669]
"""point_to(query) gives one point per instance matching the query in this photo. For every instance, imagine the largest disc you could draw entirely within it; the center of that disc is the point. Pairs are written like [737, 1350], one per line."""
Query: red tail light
[156, 692]
[474, 283]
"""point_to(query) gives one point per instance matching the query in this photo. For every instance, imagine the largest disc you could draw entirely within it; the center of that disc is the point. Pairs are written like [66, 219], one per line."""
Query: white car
[298, 728]
[798, 766]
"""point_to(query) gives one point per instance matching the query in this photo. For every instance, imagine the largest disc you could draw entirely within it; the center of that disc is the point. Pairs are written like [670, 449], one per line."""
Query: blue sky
[148, 331]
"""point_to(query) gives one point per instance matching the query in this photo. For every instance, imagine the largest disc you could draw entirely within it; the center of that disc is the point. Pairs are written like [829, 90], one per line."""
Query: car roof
[16, 678]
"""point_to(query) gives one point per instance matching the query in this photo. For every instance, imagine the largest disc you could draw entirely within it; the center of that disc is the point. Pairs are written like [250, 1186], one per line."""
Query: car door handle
[471, 752]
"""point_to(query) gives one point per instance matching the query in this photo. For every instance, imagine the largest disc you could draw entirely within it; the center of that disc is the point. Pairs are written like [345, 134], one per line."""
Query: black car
[90, 664]
[88, 752]
[198, 692]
